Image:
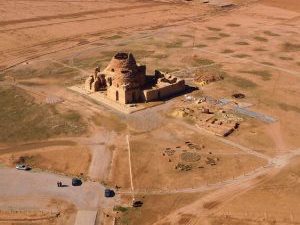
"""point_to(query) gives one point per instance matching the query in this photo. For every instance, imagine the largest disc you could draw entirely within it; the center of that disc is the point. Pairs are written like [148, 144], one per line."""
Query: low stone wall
[171, 89]
[164, 92]
[150, 95]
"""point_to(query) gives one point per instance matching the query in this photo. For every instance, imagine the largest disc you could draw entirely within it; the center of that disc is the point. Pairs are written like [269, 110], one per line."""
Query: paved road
[86, 217]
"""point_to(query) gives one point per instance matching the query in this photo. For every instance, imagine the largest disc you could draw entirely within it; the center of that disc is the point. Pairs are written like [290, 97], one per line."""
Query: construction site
[163, 112]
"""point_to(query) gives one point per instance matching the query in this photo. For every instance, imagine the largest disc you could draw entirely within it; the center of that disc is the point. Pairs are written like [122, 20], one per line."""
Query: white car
[22, 167]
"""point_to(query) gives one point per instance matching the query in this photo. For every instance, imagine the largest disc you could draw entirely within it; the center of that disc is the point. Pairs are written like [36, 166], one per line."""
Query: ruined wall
[132, 96]
[164, 92]
[150, 95]
[116, 94]
[172, 89]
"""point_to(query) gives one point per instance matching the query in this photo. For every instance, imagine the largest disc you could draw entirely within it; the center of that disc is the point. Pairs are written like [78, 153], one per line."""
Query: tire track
[78, 14]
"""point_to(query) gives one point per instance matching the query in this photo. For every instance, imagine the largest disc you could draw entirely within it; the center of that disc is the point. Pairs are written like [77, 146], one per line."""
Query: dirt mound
[208, 75]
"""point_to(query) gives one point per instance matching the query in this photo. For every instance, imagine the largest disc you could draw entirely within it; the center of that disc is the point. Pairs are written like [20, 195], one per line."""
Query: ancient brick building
[125, 81]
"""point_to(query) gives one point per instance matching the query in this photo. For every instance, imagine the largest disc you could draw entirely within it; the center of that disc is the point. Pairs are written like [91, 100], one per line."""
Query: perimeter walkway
[85, 217]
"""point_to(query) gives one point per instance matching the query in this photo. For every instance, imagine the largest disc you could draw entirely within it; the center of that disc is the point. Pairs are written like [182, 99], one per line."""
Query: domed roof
[121, 62]
[124, 70]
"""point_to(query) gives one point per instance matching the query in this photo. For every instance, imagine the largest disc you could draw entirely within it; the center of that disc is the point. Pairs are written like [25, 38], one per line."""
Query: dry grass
[152, 168]
[160, 56]
[214, 29]
[114, 37]
[272, 202]
[268, 63]
[233, 25]
[87, 63]
[155, 207]
[72, 161]
[24, 120]
[259, 50]
[287, 107]
[240, 82]
[290, 47]
[270, 33]
[286, 58]
[227, 51]
[224, 35]
[241, 56]
[111, 122]
[176, 44]
[212, 38]
[264, 74]
[202, 62]
[200, 45]
[262, 39]
[241, 43]
[52, 70]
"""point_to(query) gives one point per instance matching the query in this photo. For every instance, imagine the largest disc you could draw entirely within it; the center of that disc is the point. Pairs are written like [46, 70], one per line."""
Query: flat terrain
[183, 173]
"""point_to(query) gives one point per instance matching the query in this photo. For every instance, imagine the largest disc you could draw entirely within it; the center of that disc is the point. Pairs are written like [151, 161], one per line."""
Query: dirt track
[92, 23]
[67, 30]
[43, 185]
[226, 191]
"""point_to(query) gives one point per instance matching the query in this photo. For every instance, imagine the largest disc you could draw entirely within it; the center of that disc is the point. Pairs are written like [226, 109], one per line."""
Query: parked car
[109, 193]
[76, 181]
[22, 167]
[137, 204]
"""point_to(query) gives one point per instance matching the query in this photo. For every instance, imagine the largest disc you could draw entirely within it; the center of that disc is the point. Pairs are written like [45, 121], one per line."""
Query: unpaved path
[276, 134]
[41, 185]
[226, 192]
[86, 217]
[275, 163]
[101, 155]
[234, 144]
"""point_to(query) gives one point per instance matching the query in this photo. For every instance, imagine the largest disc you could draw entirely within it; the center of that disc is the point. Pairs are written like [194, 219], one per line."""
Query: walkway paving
[85, 217]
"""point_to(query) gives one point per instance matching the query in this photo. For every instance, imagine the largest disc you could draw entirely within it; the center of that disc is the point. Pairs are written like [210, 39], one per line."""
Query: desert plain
[162, 155]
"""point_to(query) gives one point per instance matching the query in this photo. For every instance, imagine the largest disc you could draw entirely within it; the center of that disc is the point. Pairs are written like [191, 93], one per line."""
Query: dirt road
[101, 156]
[51, 28]
[227, 191]
[41, 185]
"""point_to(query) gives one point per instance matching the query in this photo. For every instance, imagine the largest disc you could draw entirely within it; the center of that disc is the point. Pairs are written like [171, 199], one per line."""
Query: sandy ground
[101, 159]
[17, 191]
[47, 46]
[71, 161]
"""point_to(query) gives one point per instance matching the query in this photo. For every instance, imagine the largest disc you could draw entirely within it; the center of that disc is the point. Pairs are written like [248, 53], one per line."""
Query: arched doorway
[117, 96]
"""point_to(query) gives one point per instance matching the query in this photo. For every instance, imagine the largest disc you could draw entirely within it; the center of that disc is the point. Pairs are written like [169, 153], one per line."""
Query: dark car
[108, 193]
[137, 204]
[76, 182]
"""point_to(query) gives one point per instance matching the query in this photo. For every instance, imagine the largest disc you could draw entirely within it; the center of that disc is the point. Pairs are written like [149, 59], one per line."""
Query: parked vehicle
[76, 181]
[137, 204]
[109, 193]
[22, 167]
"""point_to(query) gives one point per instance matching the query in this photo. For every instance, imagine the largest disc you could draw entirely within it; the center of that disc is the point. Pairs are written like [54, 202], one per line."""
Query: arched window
[117, 96]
